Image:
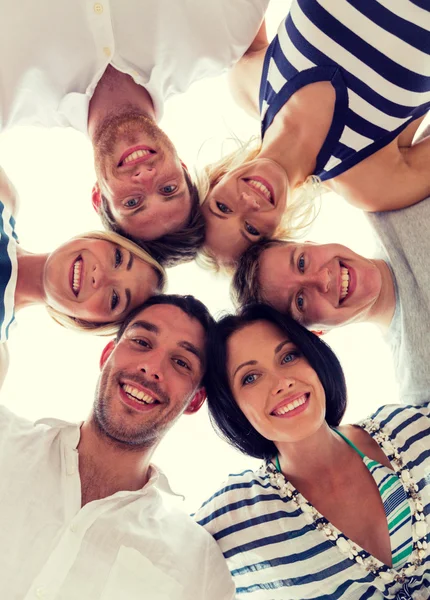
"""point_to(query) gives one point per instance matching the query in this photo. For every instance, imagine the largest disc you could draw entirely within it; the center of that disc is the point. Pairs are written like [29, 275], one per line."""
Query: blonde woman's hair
[301, 211]
[112, 327]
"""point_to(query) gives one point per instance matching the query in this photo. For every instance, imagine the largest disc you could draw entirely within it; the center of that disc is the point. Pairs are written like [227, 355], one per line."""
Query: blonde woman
[343, 88]
[89, 283]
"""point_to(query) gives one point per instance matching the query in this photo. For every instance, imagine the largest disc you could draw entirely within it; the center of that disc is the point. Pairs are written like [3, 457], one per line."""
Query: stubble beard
[142, 436]
[128, 124]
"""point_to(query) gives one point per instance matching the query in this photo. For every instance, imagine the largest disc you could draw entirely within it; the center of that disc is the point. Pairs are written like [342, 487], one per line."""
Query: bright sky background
[53, 371]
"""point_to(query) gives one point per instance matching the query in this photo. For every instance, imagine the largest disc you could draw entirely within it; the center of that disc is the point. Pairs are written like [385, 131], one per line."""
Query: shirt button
[107, 51]
[73, 528]
[98, 8]
[40, 592]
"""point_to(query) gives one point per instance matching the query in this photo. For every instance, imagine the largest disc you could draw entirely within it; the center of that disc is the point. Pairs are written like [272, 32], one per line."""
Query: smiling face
[320, 285]
[141, 177]
[273, 384]
[246, 205]
[151, 375]
[96, 280]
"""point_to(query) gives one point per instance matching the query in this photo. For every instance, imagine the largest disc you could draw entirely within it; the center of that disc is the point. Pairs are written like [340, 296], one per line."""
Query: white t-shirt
[126, 546]
[53, 53]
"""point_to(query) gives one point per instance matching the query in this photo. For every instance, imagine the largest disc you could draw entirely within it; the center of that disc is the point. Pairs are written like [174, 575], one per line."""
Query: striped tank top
[376, 54]
[8, 271]
[279, 547]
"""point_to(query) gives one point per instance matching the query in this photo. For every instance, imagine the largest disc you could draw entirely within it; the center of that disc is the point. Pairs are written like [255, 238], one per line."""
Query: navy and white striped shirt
[276, 549]
[376, 54]
[8, 271]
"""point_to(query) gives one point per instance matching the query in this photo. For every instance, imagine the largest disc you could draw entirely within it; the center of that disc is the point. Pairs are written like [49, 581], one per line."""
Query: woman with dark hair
[336, 511]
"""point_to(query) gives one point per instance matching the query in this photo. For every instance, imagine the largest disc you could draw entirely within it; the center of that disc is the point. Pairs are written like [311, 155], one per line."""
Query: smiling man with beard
[82, 513]
[65, 63]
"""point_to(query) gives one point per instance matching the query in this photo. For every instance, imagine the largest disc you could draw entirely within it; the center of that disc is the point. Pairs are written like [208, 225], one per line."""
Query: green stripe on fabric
[389, 484]
[405, 513]
[400, 557]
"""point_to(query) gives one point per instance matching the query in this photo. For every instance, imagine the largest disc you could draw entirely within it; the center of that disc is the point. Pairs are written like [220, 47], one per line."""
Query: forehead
[254, 341]
[170, 324]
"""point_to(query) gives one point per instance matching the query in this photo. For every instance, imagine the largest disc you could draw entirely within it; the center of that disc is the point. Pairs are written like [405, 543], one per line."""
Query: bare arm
[4, 362]
[390, 179]
[8, 193]
[244, 78]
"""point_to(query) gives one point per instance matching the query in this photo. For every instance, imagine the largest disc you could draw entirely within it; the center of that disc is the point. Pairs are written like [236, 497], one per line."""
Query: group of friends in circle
[336, 510]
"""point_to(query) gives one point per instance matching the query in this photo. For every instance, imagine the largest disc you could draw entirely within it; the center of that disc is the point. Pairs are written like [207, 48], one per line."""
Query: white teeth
[77, 268]
[344, 285]
[260, 186]
[136, 154]
[291, 406]
[136, 394]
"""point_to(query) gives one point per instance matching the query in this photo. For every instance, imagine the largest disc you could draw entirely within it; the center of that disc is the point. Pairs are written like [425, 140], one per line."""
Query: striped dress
[8, 271]
[279, 547]
[376, 54]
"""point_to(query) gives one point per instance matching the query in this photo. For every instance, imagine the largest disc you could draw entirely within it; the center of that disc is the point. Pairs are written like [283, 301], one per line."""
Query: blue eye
[223, 207]
[249, 379]
[169, 189]
[250, 229]
[300, 302]
[290, 357]
[131, 203]
[118, 257]
[301, 263]
[114, 300]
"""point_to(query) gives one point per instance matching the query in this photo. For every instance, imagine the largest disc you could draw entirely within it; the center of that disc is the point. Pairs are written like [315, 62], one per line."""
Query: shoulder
[241, 496]
[400, 423]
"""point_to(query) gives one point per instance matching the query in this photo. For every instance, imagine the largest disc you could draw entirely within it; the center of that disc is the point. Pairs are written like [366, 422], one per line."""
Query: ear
[107, 351]
[197, 402]
[96, 197]
[319, 332]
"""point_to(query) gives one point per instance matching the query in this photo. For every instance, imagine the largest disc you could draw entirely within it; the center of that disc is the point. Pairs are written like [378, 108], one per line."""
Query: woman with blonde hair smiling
[89, 283]
[336, 511]
[343, 88]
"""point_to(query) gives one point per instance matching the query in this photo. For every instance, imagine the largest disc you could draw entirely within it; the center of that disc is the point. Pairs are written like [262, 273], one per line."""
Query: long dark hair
[225, 414]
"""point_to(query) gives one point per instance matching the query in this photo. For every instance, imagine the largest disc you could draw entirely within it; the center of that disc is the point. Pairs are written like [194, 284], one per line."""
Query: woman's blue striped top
[278, 547]
[376, 54]
[8, 271]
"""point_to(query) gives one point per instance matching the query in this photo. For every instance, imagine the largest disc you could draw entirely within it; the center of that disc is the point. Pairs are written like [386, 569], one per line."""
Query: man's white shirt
[53, 53]
[128, 545]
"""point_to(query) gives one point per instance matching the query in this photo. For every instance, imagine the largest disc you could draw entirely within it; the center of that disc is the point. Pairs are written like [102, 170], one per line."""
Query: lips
[137, 398]
[348, 281]
[262, 187]
[291, 406]
[75, 275]
[135, 155]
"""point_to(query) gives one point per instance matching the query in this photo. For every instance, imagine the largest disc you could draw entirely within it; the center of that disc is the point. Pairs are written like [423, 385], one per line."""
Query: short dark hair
[172, 248]
[188, 304]
[226, 416]
[245, 286]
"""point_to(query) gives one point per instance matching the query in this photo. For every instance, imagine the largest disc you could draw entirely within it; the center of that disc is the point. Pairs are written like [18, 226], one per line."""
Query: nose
[152, 365]
[250, 202]
[320, 280]
[282, 385]
[99, 277]
[144, 175]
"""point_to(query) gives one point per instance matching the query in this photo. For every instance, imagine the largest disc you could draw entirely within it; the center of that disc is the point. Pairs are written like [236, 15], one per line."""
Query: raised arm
[8, 193]
[393, 178]
[244, 78]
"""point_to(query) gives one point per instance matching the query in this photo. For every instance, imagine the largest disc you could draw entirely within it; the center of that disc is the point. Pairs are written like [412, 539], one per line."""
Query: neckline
[346, 546]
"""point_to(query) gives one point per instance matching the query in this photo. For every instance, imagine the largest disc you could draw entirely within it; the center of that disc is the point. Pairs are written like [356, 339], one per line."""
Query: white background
[53, 371]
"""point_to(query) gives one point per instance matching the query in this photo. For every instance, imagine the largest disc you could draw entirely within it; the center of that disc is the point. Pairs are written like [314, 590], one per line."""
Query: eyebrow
[127, 301]
[254, 362]
[191, 348]
[130, 262]
[145, 325]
